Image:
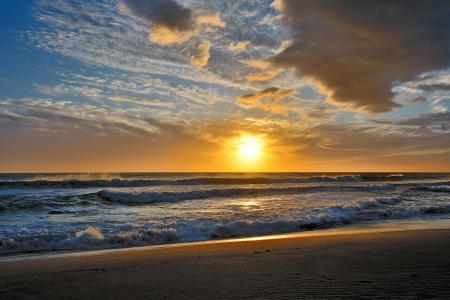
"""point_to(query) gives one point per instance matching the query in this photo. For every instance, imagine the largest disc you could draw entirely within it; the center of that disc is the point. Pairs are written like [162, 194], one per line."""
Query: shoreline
[366, 263]
[356, 229]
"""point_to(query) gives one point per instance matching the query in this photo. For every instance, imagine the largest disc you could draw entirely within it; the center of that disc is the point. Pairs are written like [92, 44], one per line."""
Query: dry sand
[411, 264]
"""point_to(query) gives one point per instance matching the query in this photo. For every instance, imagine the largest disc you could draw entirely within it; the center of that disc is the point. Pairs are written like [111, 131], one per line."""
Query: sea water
[52, 212]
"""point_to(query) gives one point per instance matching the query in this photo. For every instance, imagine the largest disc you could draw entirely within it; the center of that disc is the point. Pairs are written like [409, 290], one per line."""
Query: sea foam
[185, 231]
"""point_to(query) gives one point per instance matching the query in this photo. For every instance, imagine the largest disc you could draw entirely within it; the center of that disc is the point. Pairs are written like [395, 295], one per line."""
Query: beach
[409, 262]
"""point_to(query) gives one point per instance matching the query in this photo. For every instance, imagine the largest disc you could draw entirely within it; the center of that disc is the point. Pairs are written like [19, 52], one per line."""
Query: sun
[250, 148]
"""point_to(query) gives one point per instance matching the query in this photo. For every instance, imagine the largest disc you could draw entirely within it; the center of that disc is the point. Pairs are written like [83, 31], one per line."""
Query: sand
[411, 264]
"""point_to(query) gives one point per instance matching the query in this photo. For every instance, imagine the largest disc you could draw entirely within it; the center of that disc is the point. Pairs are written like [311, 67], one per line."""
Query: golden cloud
[270, 99]
[239, 46]
[201, 57]
[263, 75]
[165, 36]
[210, 19]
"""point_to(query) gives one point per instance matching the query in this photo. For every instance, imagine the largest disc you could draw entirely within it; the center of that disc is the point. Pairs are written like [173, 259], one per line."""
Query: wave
[117, 182]
[196, 230]
[77, 181]
[437, 189]
[52, 204]
[114, 182]
[12, 202]
[157, 197]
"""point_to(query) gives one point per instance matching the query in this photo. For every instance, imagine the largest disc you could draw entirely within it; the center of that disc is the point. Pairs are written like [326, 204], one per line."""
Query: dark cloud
[358, 49]
[167, 13]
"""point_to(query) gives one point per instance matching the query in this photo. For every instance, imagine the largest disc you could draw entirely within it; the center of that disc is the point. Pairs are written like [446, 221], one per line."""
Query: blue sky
[81, 78]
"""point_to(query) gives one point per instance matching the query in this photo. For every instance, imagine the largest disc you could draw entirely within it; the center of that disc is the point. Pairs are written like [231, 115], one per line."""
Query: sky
[180, 85]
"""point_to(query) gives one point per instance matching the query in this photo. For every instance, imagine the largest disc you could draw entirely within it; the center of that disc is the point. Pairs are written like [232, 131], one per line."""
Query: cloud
[363, 147]
[269, 99]
[266, 70]
[239, 46]
[434, 87]
[165, 36]
[201, 57]
[417, 100]
[60, 117]
[67, 136]
[151, 95]
[358, 49]
[278, 5]
[166, 13]
[210, 19]
[342, 146]
[257, 63]
[129, 79]
[262, 75]
[439, 120]
[110, 37]
[171, 22]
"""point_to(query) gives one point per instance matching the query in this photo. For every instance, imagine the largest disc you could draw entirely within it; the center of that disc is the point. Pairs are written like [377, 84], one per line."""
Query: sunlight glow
[250, 148]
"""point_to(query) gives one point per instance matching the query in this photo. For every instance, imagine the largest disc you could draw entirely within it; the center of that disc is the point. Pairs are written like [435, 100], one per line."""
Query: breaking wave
[185, 231]
[156, 197]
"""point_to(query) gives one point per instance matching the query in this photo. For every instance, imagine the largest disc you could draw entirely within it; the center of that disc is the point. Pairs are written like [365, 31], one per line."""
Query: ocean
[54, 212]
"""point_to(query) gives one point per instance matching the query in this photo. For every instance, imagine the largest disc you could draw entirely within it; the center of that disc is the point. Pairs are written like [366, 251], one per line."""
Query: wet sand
[412, 264]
